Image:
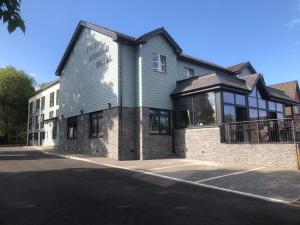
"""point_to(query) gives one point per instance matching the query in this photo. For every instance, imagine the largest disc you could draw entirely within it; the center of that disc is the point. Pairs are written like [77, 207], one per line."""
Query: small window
[37, 122]
[37, 106]
[43, 103]
[253, 114]
[96, 124]
[252, 102]
[272, 106]
[279, 107]
[51, 114]
[189, 72]
[36, 136]
[57, 113]
[229, 114]
[51, 99]
[57, 97]
[30, 108]
[240, 99]
[54, 130]
[42, 121]
[159, 63]
[30, 123]
[159, 121]
[72, 127]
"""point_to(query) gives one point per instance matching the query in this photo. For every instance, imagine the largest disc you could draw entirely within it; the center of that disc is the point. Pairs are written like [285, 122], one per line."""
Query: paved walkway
[271, 184]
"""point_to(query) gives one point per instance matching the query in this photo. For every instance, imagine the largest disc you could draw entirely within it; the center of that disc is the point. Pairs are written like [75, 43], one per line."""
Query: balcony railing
[261, 132]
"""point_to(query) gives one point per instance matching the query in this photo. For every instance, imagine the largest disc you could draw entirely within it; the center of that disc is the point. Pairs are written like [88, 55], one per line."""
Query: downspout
[120, 90]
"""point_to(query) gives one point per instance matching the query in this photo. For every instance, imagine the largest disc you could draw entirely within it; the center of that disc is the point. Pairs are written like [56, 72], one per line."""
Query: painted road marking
[275, 200]
[230, 174]
[169, 167]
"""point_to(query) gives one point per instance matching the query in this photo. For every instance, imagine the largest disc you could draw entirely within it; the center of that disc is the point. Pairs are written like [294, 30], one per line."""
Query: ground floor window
[196, 110]
[159, 121]
[72, 127]
[96, 124]
[54, 130]
[36, 136]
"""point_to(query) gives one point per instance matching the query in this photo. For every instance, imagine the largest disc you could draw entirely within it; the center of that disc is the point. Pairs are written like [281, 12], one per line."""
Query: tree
[10, 14]
[15, 89]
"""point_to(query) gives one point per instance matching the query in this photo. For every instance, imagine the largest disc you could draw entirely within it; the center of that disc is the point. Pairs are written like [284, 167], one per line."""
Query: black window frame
[43, 103]
[57, 97]
[72, 123]
[54, 129]
[42, 121]
[37, 105]
[158, 112]
[96, 116]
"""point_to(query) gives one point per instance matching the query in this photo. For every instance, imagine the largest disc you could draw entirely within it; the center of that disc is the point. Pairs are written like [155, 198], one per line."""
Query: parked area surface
[39, 188]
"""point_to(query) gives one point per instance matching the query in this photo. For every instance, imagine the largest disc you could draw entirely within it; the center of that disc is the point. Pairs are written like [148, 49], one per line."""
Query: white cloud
[293, 23]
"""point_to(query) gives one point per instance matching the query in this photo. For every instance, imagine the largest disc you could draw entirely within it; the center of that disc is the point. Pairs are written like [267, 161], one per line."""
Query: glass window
[229, 113]
[159, 121]
[228, 97]
[262, 114]
[159, 62]
[272, 106]
[240, 99]
[37, 122]
[184, 112]
[30, 107]
[262, 104]
[57, 97]
[254, 92]
[54, 129]
[36, 136]
[72, 127]
[51, 114]
[96, 124]
[30, 123]
[252, 102]
[189, 72]
[279, 107]
[52, 99]
[204, 109]
[37, 105]
[280, 116]
[253, 114]
[42, 120]
[43, 103]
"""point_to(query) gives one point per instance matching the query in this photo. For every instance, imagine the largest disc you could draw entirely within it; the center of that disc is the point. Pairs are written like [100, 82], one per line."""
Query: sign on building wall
[99, 53]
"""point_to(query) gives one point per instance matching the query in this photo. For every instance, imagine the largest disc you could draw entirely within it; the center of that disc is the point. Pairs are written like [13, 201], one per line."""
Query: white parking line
[169, 167]
[230, 174]
[178, 180]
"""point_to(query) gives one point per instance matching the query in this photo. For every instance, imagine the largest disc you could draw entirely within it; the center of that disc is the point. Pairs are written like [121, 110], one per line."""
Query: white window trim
[188, 71]
[157, 60]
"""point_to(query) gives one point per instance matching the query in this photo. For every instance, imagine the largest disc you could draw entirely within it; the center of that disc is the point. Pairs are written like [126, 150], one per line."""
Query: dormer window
[159, 63]
[189, 72]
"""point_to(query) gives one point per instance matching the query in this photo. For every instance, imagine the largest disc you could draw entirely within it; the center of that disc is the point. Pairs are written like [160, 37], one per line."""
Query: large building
[127, 97]
[43, 112]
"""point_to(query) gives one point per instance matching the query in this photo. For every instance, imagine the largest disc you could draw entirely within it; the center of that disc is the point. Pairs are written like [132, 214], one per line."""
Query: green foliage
[10, 14]
[15, 89]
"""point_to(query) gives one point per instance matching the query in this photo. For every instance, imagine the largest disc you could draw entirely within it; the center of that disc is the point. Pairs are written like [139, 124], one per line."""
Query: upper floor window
[57, 97]
[37, 105]
[189, 72]
[30, 107]
[159, 62]
[42, 120]
[51, 99]
[159, 121]
[51, 114]
[43, 103]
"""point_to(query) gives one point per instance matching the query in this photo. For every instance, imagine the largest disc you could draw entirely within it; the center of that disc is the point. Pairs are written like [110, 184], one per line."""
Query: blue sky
[226, 32]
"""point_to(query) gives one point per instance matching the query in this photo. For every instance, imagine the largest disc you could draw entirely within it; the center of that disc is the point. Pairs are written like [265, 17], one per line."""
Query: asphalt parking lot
[38, 188]
[275, 184]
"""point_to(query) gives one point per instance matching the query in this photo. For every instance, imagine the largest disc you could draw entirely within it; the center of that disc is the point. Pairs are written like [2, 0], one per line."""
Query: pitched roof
[212, 80]
[48, 85]
[238, 67]
[291, 88]
[216, 80]
[204, 63]
[116, 36]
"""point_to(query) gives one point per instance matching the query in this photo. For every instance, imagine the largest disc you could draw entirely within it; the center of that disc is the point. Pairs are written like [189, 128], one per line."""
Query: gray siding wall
[129, 75]
[199, 70]
[83, 85]
[155, 87]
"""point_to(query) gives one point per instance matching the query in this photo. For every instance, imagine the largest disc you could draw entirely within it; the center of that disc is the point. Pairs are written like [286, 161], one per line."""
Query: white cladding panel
[199, 70]
[156, 87]
[84, 86]
[129, 75]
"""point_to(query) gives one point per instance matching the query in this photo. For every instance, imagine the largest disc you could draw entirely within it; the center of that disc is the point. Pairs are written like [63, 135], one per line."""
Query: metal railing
[261, 132]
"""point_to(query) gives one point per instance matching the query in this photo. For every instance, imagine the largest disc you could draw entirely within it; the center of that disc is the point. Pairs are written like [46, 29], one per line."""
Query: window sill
[159, 71]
